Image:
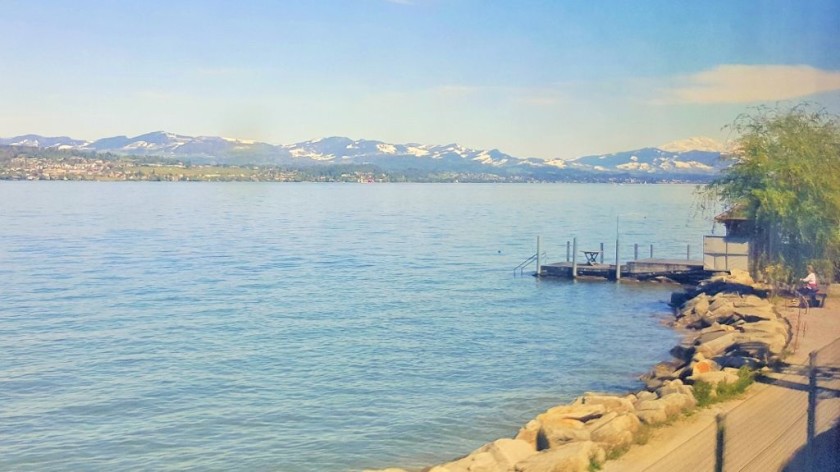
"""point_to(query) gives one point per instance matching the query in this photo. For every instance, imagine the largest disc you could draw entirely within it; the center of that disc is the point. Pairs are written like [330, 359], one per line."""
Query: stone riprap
[730, 324]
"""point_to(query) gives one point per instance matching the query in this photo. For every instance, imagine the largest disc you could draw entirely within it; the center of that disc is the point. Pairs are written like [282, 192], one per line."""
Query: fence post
[651, 251]
[635, 251]
[812, 396]
[720, 441]
[574, 258]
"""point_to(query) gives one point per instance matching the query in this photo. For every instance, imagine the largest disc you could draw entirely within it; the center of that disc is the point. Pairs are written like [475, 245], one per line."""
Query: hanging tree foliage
[785, 180]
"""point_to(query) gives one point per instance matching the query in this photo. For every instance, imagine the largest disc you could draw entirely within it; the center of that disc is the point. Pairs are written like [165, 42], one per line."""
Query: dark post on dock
[617, 256]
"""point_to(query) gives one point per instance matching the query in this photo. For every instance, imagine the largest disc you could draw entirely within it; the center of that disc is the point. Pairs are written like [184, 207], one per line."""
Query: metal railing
[533, 259]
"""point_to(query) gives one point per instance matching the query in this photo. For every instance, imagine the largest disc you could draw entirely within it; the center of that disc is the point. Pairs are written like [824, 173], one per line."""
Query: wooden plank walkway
[767, 428]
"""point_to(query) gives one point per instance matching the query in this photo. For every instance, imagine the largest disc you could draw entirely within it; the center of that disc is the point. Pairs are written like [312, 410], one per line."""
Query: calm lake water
[310, 327]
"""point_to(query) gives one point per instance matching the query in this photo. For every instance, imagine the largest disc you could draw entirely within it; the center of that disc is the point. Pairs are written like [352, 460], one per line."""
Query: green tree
[785, 179]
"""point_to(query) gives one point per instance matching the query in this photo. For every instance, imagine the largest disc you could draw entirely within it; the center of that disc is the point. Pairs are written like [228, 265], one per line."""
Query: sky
[545, 79]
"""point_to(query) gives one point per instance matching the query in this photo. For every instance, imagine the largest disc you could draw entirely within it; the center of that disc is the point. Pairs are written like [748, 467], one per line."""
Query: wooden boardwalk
[767, 430]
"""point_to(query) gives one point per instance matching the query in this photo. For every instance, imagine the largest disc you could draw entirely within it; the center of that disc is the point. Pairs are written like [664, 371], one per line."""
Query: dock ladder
[521, 267]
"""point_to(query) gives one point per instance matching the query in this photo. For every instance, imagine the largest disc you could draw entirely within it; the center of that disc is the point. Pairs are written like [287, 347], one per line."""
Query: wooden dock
[679, 270]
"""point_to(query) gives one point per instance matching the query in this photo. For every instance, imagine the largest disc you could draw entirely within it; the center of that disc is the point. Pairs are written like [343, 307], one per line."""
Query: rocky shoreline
[730, 325]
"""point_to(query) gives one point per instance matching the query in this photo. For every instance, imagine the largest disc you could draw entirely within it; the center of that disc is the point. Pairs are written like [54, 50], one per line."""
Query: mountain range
[692, 158]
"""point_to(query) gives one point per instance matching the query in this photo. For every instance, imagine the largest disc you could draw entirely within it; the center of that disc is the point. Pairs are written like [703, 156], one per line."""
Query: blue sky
[532, 78]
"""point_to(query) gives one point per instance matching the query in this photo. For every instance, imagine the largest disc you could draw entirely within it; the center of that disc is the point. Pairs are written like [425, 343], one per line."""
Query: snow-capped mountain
[652, 161]
[345, 149]
[33, 140]
[160, 143]
[697, 143]
[694, 156]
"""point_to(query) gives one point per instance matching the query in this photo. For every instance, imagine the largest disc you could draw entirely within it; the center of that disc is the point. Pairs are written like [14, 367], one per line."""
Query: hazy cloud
[456, 91]
[541, 97]
[745, 84]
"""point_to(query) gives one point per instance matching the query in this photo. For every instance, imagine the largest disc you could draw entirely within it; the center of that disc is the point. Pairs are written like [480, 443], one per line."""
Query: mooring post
[602, 253]
[574, 258]
[651, 251]
[688, 252]
[636, 251]
[812, 397]
[568, 251]
[617, 262]
[538, 256]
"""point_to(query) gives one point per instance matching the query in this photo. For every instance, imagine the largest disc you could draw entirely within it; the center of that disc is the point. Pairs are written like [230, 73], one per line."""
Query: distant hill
[652, 161]
[692, 159]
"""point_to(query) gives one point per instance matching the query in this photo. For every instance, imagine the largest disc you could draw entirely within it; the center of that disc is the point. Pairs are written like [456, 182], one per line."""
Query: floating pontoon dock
[642, 269]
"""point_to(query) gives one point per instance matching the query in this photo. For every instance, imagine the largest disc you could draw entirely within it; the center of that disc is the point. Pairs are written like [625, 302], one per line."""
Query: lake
[312, 327]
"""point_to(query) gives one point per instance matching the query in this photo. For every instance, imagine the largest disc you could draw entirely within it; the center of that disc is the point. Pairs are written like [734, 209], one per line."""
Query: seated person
[810, 288]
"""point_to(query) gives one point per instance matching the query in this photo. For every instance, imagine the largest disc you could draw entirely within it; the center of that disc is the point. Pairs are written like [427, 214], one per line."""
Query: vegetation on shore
[785, 181]
[708, 394]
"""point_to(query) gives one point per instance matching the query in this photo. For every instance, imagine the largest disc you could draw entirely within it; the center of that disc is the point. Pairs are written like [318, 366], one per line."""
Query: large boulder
[562, 432]
[751, 301]
[683, 351]
[739, 276]
[573, 457]
[701, 305]
[716, 327]
[713, 345]
[497, 456]
[773, 334]
[574, 411]
[696, 305]
[751, 314]
[736, 361]
[715, 378]
[645, 395]
[735, 277]
[557, 415]
[765, 326]
[659, 410]
[724, 312]
[610, 402]
[703, 366]
[677, 403]
[615, 431]
[651, 411]
[675, 386]
[747, 349]
[667, 370]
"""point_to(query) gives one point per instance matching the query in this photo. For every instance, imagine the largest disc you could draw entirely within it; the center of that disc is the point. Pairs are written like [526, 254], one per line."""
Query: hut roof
[737, 212]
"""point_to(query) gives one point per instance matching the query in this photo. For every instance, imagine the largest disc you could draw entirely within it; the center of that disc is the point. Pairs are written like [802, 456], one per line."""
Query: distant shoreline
[18, 163]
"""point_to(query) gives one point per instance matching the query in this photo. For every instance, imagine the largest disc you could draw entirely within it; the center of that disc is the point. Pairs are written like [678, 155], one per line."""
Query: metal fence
[791, 426]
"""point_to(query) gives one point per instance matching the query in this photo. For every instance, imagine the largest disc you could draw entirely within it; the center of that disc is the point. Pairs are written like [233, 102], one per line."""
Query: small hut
[731, 251]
